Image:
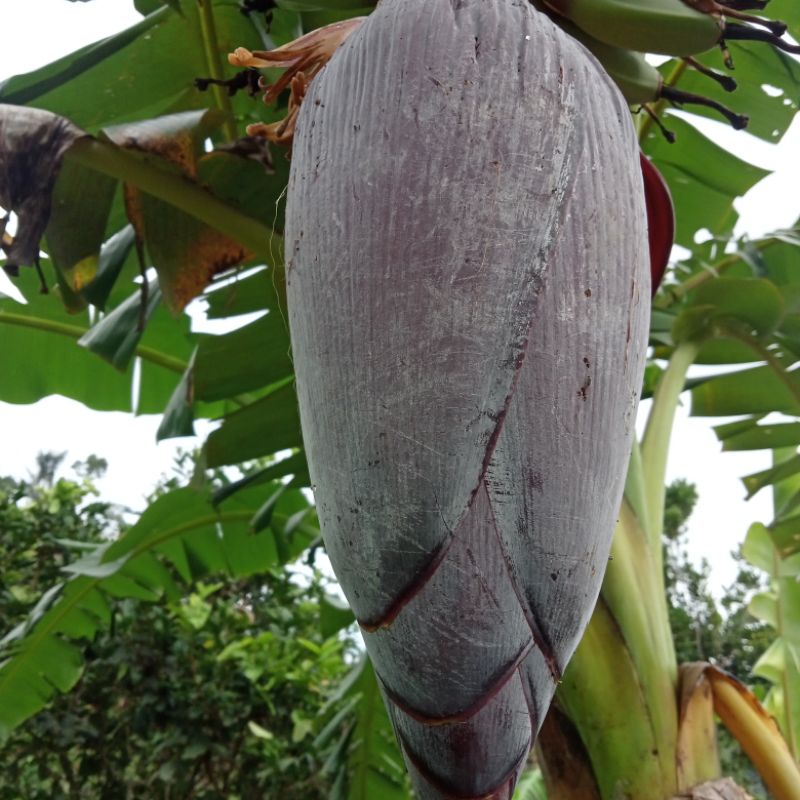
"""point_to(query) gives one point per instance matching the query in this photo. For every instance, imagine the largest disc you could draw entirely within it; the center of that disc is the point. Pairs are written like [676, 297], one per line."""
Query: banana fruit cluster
[619, 32]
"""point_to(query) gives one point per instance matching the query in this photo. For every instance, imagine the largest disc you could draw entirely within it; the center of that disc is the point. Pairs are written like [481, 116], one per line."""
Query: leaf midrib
[75, 332]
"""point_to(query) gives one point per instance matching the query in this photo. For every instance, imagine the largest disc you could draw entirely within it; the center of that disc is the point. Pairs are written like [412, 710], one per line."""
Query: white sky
[38, 31]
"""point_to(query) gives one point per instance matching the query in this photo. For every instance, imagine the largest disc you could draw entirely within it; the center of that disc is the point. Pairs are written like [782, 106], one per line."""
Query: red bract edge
[660, 220]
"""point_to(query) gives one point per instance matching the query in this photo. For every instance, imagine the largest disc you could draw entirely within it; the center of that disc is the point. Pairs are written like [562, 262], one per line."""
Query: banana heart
[468, 285]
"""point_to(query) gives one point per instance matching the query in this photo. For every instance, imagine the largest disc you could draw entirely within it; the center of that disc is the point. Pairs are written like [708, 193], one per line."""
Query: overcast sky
[38, 31]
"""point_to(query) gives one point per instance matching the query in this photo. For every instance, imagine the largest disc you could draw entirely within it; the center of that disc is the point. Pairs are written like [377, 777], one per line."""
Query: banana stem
[603, 697]
[635, 571]
[655, 443]
[208, 31]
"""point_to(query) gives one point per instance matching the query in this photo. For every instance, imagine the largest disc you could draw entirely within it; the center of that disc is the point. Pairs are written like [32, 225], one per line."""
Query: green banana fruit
[655, 26]
[638, 80]
[641, 83]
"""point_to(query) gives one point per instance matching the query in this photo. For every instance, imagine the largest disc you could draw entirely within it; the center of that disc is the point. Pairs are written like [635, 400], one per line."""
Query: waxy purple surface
[468, 282]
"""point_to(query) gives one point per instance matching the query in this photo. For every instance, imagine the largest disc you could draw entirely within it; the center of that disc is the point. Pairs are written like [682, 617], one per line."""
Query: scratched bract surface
[468, 281]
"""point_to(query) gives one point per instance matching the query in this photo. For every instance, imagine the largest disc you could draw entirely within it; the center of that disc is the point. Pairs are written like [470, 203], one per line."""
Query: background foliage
[205, 578]
[216, 695]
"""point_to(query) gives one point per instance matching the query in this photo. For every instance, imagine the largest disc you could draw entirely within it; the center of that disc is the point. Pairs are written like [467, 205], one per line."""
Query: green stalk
[634, 595]
[674, 294]
[208, 32]
[781, 493]
[76, 331]
[742, 335]
[620, 690]
[635, 570]
[602, 695]
[655, 443]
[646, 122]
[183, 193]
[634, 486]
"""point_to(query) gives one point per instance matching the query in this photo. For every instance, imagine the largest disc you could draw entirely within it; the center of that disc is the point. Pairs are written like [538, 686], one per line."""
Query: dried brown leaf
[720, 789]
[32, 145]
[696, 751]
[186, 253]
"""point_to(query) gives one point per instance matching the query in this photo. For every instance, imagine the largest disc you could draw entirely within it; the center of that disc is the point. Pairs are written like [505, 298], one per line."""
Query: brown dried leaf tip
[303, 59]
[32, 146]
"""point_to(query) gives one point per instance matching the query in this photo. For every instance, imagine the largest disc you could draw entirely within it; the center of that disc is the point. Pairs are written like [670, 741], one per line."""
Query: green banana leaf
[779, 606]
[760, 437]
[181, 533]
[40, 356]
[703, 177]
[225, 367]
[365, 761]
[143, 72]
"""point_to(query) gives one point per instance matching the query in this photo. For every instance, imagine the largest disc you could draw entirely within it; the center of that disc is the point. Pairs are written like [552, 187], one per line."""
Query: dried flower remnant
[303, 59]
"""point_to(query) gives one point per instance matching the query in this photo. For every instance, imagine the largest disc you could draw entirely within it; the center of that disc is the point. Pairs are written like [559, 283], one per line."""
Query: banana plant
[627, 720]
[773, 549]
